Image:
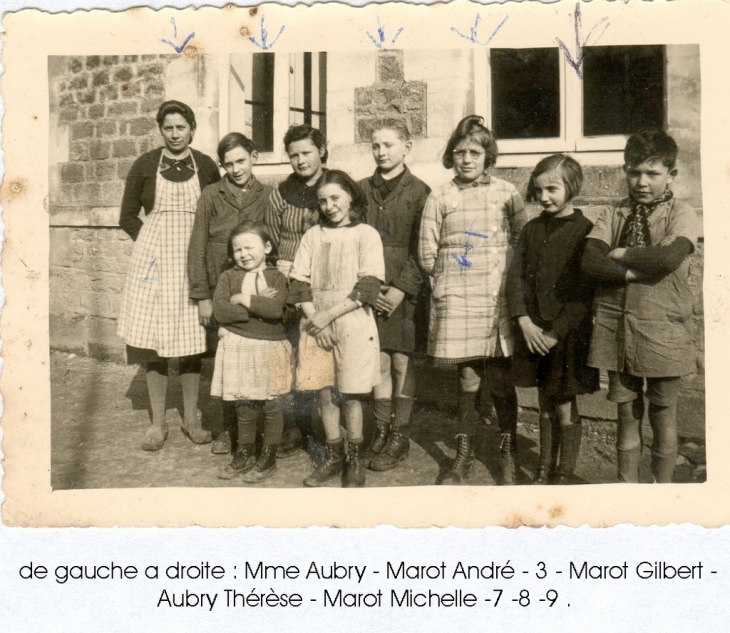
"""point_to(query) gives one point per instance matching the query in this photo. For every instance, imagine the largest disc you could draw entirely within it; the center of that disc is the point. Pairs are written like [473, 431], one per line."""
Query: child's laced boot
[354, 468]
[464, 458]
[332, 467]
[265, 465]
[244, 459]
[398, 444]
[381, 411]
[507, 462]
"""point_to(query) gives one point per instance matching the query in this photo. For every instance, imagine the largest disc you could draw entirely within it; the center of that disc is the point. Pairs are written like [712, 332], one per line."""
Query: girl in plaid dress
[253, 359]
[158, 320]
[469, 228]
[335, 281]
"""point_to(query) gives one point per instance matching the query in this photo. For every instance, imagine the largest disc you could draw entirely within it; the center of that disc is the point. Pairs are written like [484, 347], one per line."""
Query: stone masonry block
[75, 65]
[69, 114]
[96, 111]
[108, 127]
[79, 150]
[93, 61]
[108, 93]
[79, 82]
[150, 105]
[140, 127]
[123, 147]
[122, 109]
[106, 170]
[390, 67]
[81, 130]
[123, 74]
[150, 70]
[111, 193]
[72, 172]
[123, 167]
[87, 96]
[101, 78]
[99, 150]
[110, 60]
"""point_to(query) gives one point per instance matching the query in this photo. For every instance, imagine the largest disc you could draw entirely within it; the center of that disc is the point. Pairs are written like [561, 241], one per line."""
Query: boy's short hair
[233, 140]
[399, 126]
[569, 170]
[653, 145]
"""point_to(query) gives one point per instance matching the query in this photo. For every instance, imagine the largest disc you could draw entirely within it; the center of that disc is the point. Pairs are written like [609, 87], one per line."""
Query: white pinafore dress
[157, 312]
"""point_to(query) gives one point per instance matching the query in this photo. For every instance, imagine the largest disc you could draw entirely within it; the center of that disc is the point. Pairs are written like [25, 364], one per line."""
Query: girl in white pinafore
[335, 281]
[158, 320]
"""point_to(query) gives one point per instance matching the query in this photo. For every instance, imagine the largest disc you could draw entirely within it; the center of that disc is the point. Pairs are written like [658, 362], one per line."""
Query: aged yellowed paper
[82, 91]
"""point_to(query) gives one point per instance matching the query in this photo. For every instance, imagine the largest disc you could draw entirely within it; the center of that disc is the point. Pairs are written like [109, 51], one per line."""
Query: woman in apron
[158, 320]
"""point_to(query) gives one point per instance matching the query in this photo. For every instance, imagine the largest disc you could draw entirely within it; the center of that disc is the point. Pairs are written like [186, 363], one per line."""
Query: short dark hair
[399, 126]
[231, 141]
[303, 132]
[176, 107]
[343, 180]
[652, 145]
[473, 128]
[257, 228]
[569, 170]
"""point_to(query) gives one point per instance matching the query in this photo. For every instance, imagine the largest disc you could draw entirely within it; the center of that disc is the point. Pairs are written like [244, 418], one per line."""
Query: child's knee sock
[663, 422]
[273, 422]
[467, 415]
[628, 439]
[505, 405]
[248, 415]
[403, 409]
[157, 389]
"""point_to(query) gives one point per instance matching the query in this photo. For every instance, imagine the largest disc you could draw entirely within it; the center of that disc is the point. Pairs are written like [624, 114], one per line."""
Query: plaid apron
[157, 312]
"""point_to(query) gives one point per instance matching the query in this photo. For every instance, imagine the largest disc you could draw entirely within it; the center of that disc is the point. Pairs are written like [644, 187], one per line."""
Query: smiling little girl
[253, 360]
[335, 281]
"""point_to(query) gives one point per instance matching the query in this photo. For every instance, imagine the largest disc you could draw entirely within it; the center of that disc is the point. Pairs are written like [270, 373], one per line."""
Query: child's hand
[388, 301]
[550, 339]
[635, 275]
[617, 253]
[269, 293]
[534, 336]
[205, 311]
[317, 322]
[241, 299]
[326, 338]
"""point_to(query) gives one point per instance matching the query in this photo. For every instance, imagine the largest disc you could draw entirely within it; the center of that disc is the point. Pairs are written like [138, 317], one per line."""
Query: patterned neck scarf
[254, 280]
[636, 232]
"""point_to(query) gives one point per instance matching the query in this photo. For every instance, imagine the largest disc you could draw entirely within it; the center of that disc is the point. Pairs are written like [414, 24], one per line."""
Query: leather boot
[354, 469]
[381, 411]
[570, 437]
[291, 442]
[195, 430]
[265, 465]
[332, 466]
[547, 465]
[396, 450]
[628, 464]
[243, 460]
[507, 460]
[464, 458]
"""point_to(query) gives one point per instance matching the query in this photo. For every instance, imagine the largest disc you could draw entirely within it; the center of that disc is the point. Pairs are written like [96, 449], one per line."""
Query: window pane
[623, 89]
[525, 93]
[260, 104]
[308, 89]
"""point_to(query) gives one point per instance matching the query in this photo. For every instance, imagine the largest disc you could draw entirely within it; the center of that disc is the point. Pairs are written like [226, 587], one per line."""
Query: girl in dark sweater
[550, 299]
[253, 360]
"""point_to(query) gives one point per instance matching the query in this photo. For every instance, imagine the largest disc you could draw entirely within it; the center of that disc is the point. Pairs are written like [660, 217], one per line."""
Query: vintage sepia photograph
[379, 268]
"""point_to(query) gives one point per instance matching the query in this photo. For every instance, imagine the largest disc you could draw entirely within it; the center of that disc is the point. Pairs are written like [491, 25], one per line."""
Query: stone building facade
[102, 118]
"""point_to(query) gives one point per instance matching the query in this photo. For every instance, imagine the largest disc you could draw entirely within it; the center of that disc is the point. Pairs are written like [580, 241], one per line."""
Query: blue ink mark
[264, 43]
[147, 277]
[380, 42]
[181, 48]
[463, 260]
[577, 61]
[477, 234]
[473, 36]
[387, 230]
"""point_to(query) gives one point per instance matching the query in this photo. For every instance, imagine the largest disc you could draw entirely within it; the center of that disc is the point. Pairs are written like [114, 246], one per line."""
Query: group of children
[327, 274]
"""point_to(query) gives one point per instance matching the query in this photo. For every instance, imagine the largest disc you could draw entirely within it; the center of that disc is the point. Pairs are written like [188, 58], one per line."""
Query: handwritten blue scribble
[380, 41]
[473, 36]
[264, 44]
[577, 61]
[477, 234]
[387, 230]
[181, 48]
[463, 260]
[147, 277]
